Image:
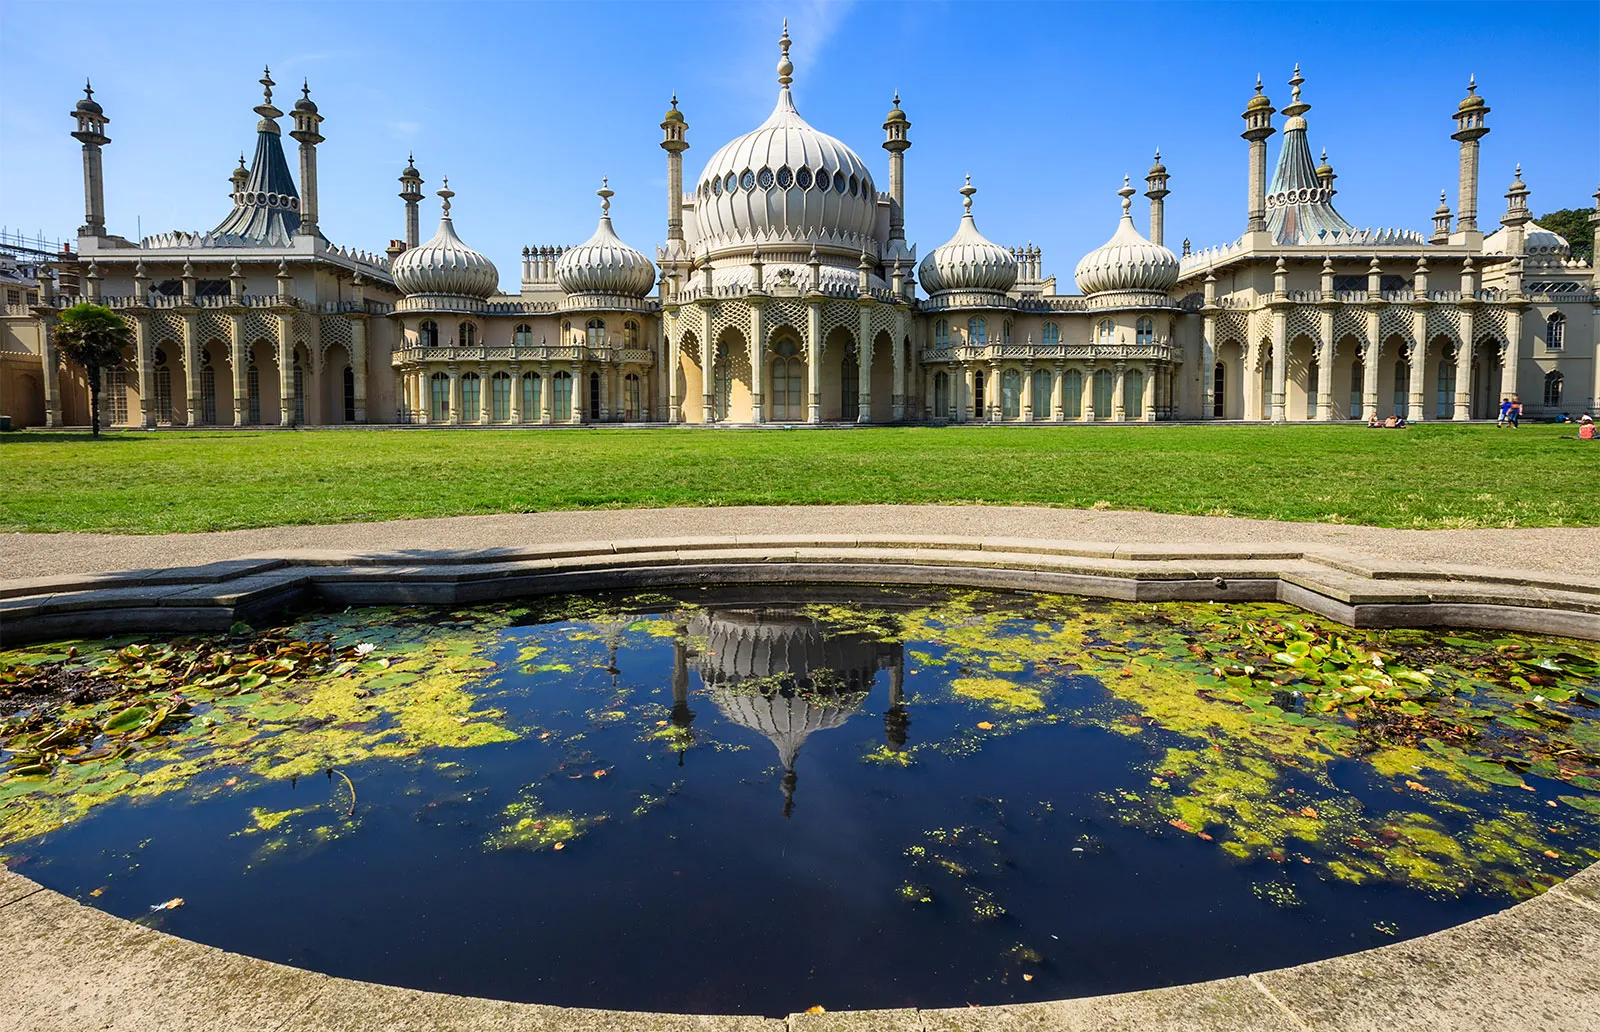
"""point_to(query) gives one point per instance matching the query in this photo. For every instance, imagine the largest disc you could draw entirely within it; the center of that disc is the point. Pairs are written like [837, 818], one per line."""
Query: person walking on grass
[1505, 413]
[1516, 412]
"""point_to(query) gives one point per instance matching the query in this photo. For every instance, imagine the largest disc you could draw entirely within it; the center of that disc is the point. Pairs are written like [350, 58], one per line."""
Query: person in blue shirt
[1505, 413]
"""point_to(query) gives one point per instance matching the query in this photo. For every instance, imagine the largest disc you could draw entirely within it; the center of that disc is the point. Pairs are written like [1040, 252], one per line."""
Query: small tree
[93, 336]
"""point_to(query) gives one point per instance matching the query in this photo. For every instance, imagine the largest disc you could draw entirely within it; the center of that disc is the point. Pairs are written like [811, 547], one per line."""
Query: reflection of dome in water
[769, 671]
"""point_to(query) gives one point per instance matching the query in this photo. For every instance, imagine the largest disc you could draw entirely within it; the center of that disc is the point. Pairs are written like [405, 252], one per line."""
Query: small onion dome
[1127, 261]
[1259, 100]
[445, 265]
[88, 104]
[1444, 205]
[895, 115]
[410, 171]
[673, 115]
[1471, 102]
[968, 261]
[1324, 170]
[305, 103]
[603, 264]
[1158, 169]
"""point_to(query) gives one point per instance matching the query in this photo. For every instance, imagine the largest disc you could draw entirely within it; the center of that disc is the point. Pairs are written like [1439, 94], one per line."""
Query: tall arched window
[1072, 385]
[1105, 385]
[1041, 394]
[1133, 394]
[500, 397]
[467, 335]
[630, 334]
[1010, 394]
[850, 389]
[941, 333]
[788, 378]
[522, 337]
[471, 397]
[1555, 332]
[1105, 333]
[1005, 332]
[252, 393]
[722, 382]
[978, 385]
[632, 397]
[594, 397]
[163, 391]
[1444, 402]
[428, 334]
[1357, 376]
[1553, 383]
[1145, 331]
[299, 393]
[532, 397]
[349, 395]
[561, 385]
[1052, 334]
[1219, 391]
[594, 333]
[977, 332]
[1402, 388]
[208, 395]
[941, 395]
[439, 398]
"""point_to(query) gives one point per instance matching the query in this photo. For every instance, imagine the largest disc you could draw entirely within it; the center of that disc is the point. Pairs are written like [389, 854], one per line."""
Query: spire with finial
[267, 83]
[605, 193]
[445, 193]
[1126, 193]
[269, 114]
[966, 195]
[88, 89]
[1296, 106]
[785, 66]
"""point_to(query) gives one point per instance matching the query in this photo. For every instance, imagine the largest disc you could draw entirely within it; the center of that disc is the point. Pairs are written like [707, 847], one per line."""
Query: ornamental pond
[763, 801]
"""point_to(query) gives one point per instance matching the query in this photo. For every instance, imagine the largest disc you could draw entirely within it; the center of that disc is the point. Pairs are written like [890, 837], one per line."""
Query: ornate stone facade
[785, 292]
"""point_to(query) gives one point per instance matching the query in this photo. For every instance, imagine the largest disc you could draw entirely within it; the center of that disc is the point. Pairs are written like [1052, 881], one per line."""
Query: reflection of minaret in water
[682, 715]
[780, 674]
[896, 719]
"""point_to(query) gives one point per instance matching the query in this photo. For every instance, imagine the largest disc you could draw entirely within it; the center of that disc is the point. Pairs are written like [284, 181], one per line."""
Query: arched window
[788, 378]
[1005, 332]
[252, 391]
[208, 395]
[941, 395]
[500, 397]
[1402, 388]
[1052, 334]
[977, 332]
[467, 335]
[522, 337]
[941, 333]
[1219, 391]
[1357, 375]
[1072, 386]
[1010, 394]
[1041, 394]
[594, 396]
[299, 393]
[1313, 381]
[532, 397]
[632, 397]
[594, 333]
[977, 394]
[850, 389]
[1133, 394]
[1145, 331]
[1105, 333]
[439, 398]
[1444, 402]
[721, 382]
[163, 403]
[1555, 332]
[630, 334]
[561, 386]
[428, 334]
[471, 397]
[1105, 385]
[349, 397]
[1553, 382]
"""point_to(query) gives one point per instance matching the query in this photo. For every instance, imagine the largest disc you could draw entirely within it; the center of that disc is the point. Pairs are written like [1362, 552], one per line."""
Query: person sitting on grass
[1585, 428]
[1372, 422]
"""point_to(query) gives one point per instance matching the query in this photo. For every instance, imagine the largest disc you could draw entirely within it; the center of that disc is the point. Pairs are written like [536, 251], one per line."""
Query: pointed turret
[91, 121]
[1299, 199]
[411, 193]
[266, 211]
[1156, 180]
[1257, 129]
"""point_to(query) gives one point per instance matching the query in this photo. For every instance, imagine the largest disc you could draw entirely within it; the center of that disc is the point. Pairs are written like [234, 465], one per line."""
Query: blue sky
[526, 105]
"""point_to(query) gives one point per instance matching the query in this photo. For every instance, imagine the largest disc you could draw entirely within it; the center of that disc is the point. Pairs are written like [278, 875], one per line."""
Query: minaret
[1441, 221]
[1470, 128]
[91, 132]
[1257, 128]
[1157, 180]
[411, 193]
[896, 142]
[240, 176]
[1517, 214]
[306, 121]
[673, 128]
[1325, 174]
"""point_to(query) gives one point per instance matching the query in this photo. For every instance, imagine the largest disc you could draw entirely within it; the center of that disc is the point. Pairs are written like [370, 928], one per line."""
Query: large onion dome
[603, 264]
[786, 182]
[968, 261]
[445, 265]
[1127, 261]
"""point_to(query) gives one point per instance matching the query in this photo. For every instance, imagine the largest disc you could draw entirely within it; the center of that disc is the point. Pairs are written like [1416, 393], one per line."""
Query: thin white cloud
[404, 130]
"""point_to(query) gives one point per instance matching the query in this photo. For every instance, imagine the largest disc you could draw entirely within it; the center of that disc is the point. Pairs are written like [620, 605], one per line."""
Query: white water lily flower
[365, 649]
[1538, 698]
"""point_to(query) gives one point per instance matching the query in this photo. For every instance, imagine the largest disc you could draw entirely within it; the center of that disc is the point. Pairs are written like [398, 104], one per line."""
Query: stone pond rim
[70, 966]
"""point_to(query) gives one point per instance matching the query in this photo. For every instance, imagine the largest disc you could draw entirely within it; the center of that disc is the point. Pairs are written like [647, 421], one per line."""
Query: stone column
[1088, 392]
[1058, 391]
[708, 363]
[898, 396]
[580, 393]
[516, 393]
[758, 362]
[1325, 368]
[1119, 412]
[1026, 400]
[191, 369]
[672, 354]
[1419, 365]
[358, 365]
[547, 391]
[1513, 356]
[455, 396]
[1208, 367]
[241, 365]
[51, 360]
[1280, 364]
[146, 370]
[1461, 404]
[1149, 393]
[864, 346]
[1369, 364]
[485, 395]
[814, 346]
[423, 389]
[285, 368]
[991, 394]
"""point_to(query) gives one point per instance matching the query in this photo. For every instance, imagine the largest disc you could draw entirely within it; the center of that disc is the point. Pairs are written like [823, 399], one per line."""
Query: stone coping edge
[1344, 586]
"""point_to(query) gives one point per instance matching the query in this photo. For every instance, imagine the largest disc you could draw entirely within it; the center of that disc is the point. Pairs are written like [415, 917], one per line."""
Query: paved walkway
[1569, 550]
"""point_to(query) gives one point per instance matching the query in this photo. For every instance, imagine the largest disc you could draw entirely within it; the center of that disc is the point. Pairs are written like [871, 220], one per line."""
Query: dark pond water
[709, 802]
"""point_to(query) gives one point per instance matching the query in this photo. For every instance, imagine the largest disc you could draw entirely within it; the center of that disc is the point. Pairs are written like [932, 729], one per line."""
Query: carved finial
[785, 66]
[1296, 79]
[445, 194]
[674, 100]
[966, 194]
[605, 194]
[305, 89]
[1472, 85]
[1258, 83]
[88, 90]
[267, 83]
[1126, 193]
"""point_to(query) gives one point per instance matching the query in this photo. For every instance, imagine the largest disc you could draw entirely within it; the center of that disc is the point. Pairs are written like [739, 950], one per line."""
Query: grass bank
[1429, 476]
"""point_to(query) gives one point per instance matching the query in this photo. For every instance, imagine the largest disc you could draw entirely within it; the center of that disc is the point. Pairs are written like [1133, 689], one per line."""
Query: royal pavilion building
[785, 292]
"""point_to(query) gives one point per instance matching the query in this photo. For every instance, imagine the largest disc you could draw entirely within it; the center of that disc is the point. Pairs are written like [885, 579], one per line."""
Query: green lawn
[1434, 475]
